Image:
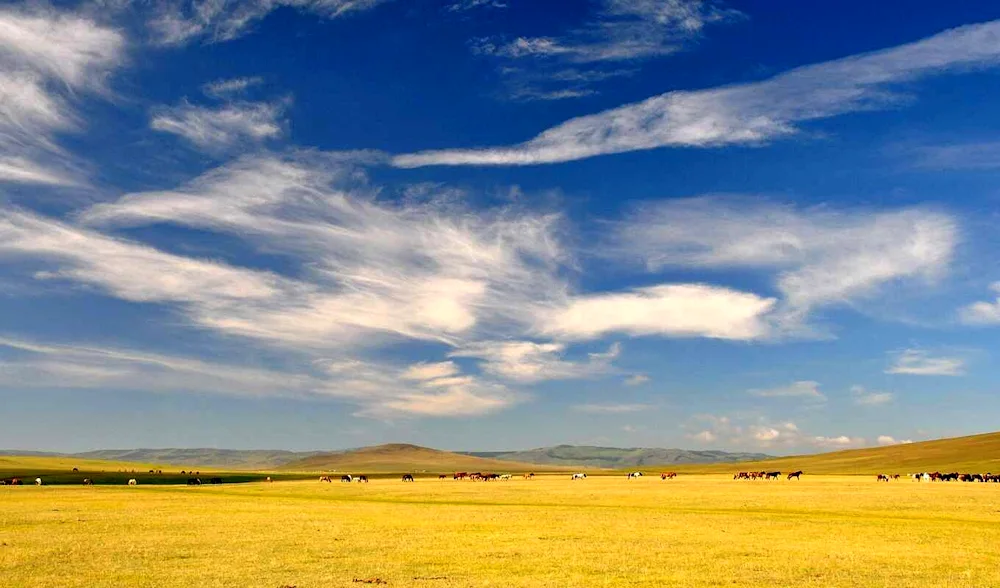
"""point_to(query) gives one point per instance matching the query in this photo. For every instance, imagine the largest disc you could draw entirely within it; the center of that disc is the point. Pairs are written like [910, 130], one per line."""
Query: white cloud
[887, 440]
[679, 310]
[958, 156]
[230, 87]
[527, 361]
[749, 433]
[611, 408]
[184, 21]
[867, 397]
[636, 380]
[803, 389]
[983, 313]
[420, 269]
[840, 442]
[223, 128]
[48, 61]
[466, 5]
[822, 256]
[915, 362]
[744, 114]
[430, 371]
[620, 31]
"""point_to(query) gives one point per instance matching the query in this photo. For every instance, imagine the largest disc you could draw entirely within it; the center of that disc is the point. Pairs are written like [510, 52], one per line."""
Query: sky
[498, 224]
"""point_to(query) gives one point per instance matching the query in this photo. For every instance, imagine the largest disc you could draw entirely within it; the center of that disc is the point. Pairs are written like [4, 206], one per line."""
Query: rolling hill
[401, 457]
[614, 457]
[234, 459]
[975, 453]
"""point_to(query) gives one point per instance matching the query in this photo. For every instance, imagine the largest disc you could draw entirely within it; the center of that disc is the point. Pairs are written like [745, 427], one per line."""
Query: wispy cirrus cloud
[48, 62]
[466, 5]
[570, 64]
[801, 389]
[956, 156]
[916, 362]
[527, 361]
[982, 313]
[184, 21]
[637, 380]
[612, 408]
[743, 114]
[819, 256]
[866, 397]
[219, 129]
[228, 88]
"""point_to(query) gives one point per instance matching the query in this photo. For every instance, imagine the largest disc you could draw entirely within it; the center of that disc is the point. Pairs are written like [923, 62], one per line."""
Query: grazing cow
[194, 482]
[325, 479]
[215, 481]
[363, 478]
[634, 475]
[797, 475]
[579, 476]
[346, 478]
[407, 477]
[772, 475]
[133, 482]
[668, 475]
[38, 481]
[88, 482]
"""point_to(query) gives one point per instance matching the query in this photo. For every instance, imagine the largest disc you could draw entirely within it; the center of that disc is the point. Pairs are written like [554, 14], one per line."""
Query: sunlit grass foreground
[604, 531]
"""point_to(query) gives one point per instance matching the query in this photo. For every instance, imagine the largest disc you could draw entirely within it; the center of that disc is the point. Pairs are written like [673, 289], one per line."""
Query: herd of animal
[939, 477]
[766, 475]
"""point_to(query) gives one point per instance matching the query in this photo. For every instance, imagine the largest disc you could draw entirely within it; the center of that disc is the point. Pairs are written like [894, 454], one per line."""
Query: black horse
[407, 477]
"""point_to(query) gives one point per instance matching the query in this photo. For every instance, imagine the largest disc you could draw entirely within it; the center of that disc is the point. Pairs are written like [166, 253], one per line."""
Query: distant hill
[614, 457]
[401, 457]
[975, 453]
[239, 459]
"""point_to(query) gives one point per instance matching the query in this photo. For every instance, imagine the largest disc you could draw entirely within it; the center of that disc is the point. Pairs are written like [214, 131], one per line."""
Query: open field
[603, 531]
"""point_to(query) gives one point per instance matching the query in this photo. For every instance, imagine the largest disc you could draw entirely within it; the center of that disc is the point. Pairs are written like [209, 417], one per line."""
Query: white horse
[579, 476]
[133, 482]
[505, 477]
[635, 475]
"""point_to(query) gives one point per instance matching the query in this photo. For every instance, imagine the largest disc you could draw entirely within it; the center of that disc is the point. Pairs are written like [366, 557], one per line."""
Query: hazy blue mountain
[230, 458]
[615, 457]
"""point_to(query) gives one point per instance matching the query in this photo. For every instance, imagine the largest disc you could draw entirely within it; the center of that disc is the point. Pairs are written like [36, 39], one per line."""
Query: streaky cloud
[743, 114]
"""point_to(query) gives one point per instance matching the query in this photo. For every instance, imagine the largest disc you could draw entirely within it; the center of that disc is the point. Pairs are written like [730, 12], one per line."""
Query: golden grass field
[696, 530]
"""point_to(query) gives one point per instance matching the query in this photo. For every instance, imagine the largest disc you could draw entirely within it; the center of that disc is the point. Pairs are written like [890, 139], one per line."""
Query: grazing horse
[461, 475]
[668, 475]
[16, 482]
[407, 477]
[772, 475]
[267, 479]
[741, 476]
[363, 478]
[882, 478]
[88, 482]
[634, 475]
[325, 479]
[505, 476]
[797, 475]
[38, 481]
[133, 482]
[76, 470]
[580, 476]
[346, 478]
[529, 476]
[442, 477]
[3, 482]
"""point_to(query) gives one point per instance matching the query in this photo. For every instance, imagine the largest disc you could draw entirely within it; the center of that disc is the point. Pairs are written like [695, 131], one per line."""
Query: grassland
[975, 453]
[693, 531]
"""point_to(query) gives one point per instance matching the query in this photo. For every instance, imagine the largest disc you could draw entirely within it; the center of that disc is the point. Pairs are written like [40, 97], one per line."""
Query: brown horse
[668, 475]
[797, 475]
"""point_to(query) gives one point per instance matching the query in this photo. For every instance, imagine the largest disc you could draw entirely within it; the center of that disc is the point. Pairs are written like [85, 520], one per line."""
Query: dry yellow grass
[607, 531]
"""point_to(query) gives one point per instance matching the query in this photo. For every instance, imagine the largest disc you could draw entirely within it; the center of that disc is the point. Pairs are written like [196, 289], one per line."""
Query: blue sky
[492, 224]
